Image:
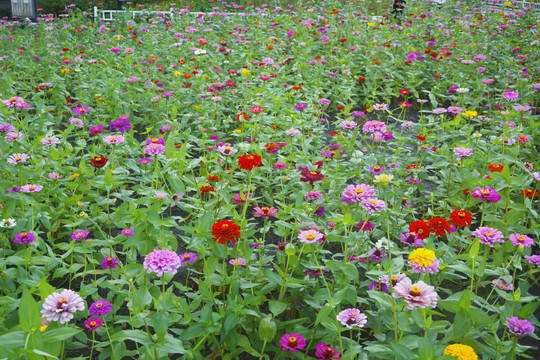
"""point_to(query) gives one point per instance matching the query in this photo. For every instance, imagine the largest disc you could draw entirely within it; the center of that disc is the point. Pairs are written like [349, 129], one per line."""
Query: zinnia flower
[424, 260]
[310, 236]
[355, 193]
[24, 238]
[62, 306]
[265, 212]
[93, 323]
[162, 261]
[188, 257]
[415, 295]
[523, 240]
[463, 352]
[98, 161]
[486, 194]
[109, 263]
[311, 176]
[248, 162]
[488, 236]
[351, 318]
[237, 262]
[224, 231]
[461, 218]
[438, 226]
[100, 307]
[326, 352]
[519, 328]
[292, 342]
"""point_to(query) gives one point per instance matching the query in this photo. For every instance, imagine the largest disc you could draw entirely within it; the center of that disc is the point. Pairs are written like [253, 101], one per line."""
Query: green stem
[404, 326]
[110, 341]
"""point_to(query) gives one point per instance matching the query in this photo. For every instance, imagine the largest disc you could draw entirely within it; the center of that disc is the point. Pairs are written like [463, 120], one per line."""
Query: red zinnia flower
[461, 218]
[413, 166]
[205, 189]
[404, 91]
[213, 178]
[311, 176]
[224, 231]
[529, 193]
[438, 226]
[335, 133]
[420, 228]
[99, 161]
[248, 162]
[340, 108]
[244, 115]
[421, 137]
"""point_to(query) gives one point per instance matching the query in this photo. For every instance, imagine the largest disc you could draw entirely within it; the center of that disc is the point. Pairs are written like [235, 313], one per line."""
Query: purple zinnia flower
[326, 352]
[379, 286]
[377, 169]
[79, 235]
[463, 152]
[377, 255]
[30, 188]
[24, 238]
[100, 307]
[300, 107]
[524, 240]
[533, 259]
[510, 95]
[187, 257]
[81, 110]
[162, 261]
[154, 149]
[62, 306]
[352, 318]
[120, 125]
[519, 328]
[128, 232]
[109, 263]
[320, 211]
[411, 240]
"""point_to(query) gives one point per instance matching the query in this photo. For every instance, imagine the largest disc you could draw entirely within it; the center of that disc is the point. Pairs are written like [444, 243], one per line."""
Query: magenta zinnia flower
[154, 149]
[533, 259]
[109, 263]
[188, 257]
[311, 176]
[486, 194]
[373, 205]
[292, 342]
[351, 318]
[93, 323]
[162, 261]
[100, 307]
[463, 152]
[356, 193]
[79, 235]
[24, 238]
[415, 295]
[62, 306]
[488, 236]
[326, 352]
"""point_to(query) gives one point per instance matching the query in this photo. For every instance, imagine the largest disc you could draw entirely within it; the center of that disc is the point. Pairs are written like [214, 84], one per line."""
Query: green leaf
[465, 301]
[60, 334]
[13, 340]
[133, 335]
[323, 313]
[475, 248]
[29, 316]
[528, 310]
[267, 329]
[426, 349]
[401, 352]
[161, 324]
[277, 307]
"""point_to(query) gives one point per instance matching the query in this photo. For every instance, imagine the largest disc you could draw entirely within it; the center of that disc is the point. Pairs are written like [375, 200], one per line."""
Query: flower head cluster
[61, 306]
[415, 295]
[519, 328]
[292, 342]
[463, 352]
[486, 194]
[488, 235]
[162, 261]
[424, 260]
[224, 231]
[100, 307]
[352, 318]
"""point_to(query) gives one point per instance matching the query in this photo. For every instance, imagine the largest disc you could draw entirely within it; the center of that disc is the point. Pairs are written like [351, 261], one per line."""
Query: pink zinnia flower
[356, 193]
[237, 262]
[99, 308]
[463, 152]
[62, 306]
[265, 212]
[374, 127]
[486, 194]
[347, 124]
[114, 139]
[154, 149]
[31, 188]
[326, 352]
[17, 158]
[488, 236]
[310, 236]
[227, 150]
[162, 261]
[292, 342]
[373, 205]
[415, 295]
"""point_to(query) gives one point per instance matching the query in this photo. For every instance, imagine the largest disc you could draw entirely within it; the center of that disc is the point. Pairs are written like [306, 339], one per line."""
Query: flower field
[312, 181]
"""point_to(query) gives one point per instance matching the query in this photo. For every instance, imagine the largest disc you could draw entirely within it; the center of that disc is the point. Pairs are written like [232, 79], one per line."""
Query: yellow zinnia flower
[383, 179]
[463, 352]
[422, 257]
[245, 72]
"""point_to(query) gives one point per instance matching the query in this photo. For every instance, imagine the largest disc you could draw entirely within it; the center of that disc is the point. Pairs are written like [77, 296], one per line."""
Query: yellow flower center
[373, 201]
[488, 233]
[415, 291]
[521, 238]
[358, 191]
[310, 236]
[313, 173]
[485, 191]
[186, 256]
[93, 323]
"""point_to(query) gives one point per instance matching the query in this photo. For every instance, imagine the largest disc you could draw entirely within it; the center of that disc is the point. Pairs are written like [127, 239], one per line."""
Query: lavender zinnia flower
[356, 193]
[463, 152]
[62, 306]
[162, 261]
[351, 318]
